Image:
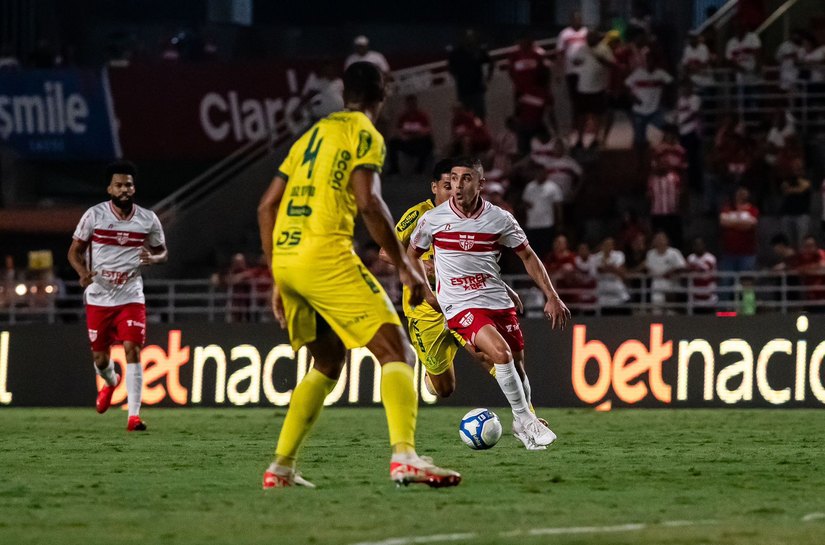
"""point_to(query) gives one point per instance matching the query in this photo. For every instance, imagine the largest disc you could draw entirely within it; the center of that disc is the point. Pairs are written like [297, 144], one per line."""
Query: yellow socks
[400, 404]
[304, 408]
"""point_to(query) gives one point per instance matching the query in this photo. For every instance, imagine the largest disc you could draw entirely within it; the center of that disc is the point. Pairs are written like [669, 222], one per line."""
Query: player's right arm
[77, 259]
[267, 214]
[366, 186]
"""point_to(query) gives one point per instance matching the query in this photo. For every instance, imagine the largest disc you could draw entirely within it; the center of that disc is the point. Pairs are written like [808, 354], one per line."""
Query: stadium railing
[203, 300]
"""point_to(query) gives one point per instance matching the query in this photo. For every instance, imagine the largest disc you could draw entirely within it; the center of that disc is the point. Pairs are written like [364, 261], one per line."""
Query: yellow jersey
[404, 230]
[317, 212]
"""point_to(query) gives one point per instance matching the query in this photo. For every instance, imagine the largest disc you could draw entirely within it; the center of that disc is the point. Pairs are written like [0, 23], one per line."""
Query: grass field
[733, 476]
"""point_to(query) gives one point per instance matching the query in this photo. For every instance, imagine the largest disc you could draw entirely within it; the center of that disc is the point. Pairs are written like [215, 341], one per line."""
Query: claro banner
[761, 361]
[57, 114]
[205, 110]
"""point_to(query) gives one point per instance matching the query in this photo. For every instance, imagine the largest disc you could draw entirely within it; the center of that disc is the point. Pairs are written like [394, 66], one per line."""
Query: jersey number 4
[311, 153]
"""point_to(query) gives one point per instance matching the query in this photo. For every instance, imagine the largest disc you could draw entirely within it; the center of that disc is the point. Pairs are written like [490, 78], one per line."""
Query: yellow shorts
[341, 290]
[435, 344]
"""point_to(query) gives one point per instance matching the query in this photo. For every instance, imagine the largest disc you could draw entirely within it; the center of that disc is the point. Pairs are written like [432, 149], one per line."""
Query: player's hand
[429, 296]
[278, 306]
[516, 300]
[557, 312]
[429, 268]
[146, 257]
[87, 279]
[412, 278]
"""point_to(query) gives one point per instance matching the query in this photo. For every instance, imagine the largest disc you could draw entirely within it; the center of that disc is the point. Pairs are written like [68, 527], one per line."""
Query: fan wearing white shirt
[609, 263]
[788, 56]
[696, 61]
[570, 40]
[363, 53]
[813, 58]
[743, 51]
[647, 85]
[663, 262]
[543, 200]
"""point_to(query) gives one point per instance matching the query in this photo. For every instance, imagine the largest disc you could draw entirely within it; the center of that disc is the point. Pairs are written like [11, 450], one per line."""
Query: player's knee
[501, 354]
[132, 352]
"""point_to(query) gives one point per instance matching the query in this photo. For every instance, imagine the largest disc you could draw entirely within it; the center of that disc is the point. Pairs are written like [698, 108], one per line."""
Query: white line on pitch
[813, 516]
[634, 527]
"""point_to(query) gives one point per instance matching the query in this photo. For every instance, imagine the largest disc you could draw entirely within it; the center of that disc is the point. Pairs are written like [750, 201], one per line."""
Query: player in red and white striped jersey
[111, 242]
[468, 233]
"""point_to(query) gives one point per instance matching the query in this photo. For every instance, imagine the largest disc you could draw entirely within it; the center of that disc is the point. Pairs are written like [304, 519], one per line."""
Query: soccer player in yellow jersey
[323, 294]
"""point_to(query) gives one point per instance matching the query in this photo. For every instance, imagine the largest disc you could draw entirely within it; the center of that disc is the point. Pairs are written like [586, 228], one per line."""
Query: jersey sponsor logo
[466, 241]
[512, 328]
[472, 282]
[467, 319]
[298, 211]
[364, 143]
[117, 278]
[408, 220]
[135, 323]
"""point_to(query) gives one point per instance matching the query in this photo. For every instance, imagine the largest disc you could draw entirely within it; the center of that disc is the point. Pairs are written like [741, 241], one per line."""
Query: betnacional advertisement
[603, 363]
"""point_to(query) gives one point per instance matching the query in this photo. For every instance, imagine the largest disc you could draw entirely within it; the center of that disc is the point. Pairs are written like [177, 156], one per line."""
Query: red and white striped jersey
[467, 249]
[664, 192]
[114, 252]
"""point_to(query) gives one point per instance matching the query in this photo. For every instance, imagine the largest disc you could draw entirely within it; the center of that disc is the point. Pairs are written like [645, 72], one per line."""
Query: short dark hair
[469, 162]
[363, 83]
[780, 238]
[120, 167]
[441, 168]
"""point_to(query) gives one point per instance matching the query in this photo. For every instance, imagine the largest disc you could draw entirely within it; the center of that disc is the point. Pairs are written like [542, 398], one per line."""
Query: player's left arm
[268, 213]
[555, 310]
[154, 255]
[514, 297]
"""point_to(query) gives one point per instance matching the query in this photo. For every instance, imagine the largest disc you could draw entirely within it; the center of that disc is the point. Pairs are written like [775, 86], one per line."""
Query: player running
[467, 234]
[435, 344]
[323, 294]
[119, 236]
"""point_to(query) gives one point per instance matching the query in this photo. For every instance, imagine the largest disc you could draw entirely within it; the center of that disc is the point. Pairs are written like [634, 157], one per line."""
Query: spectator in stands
[738, 221]
[570, 40]
[635, 256]
[782, 129]
[795, 206]
[664, 190]
[528, 66]
[585, 276]
[630, 228]
[471, 67]
[261, 282]
[560, 261]
[533, 108]
[470, 136]
[413, 136]
[594, 61]
[505, 148]
[326, 94]
[743, 52]
[702, 284]
[362, 52]
[542, 199]
[696, 61]
[669, 153]
[813, 58]
[732, 157]
[610, 266]
[783, 256]
[562, 169]
[495, 192]
[810, 264]
[688, 109]
[239, 281]
[788, 56]
[541, 148]
[618, 96]
[663, 264]
[647, 86]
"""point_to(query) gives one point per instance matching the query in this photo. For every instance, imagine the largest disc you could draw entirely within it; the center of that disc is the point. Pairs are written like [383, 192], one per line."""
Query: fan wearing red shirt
[738, 225]
[810, 264]
[413, 136]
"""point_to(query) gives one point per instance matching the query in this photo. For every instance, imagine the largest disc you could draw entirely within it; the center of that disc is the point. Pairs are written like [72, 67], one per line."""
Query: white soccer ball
[480, 429]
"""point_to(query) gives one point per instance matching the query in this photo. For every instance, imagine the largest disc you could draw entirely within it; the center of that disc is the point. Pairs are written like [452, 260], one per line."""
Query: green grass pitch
[70, 476]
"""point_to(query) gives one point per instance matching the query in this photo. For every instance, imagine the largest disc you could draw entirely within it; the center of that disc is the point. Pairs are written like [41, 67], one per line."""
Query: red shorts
[110, 325]
[469, 322]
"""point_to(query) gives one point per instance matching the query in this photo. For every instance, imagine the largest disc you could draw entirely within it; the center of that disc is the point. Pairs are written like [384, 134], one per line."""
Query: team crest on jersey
[466, 241]
[122, 238]
[466, 320]
[364, 143]
[93, 335]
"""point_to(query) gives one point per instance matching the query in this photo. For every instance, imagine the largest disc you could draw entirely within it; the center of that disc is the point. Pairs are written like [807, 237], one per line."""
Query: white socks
[510, 383]
[108, 374]
[134, 387]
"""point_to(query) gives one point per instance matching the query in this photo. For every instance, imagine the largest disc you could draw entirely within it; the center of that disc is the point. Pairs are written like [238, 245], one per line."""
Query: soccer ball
[480, 429]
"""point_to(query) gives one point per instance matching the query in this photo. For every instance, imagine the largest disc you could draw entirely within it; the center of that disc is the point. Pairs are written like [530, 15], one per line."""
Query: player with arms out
[435, 344]
[467, 233]
[323, 294]
[111, 242]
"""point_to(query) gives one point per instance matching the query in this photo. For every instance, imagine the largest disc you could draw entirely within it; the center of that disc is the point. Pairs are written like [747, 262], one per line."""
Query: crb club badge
[467, 319]
[122, 238]
[466, 241]
[93, 335]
